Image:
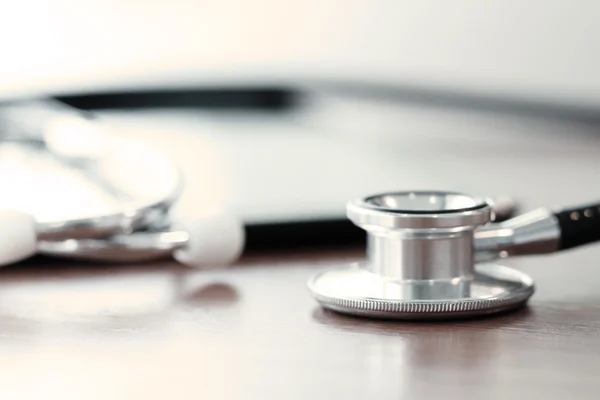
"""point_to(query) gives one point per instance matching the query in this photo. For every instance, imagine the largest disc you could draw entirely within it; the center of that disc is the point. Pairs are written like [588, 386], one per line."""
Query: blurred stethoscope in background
[146, 184]
[432, 255]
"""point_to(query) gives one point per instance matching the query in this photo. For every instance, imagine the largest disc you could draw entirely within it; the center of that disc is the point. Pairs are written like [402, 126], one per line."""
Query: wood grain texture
[163, 331]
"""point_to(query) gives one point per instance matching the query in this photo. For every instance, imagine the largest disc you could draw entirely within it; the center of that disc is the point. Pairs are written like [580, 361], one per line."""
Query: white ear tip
[19, 238]
[214, 241]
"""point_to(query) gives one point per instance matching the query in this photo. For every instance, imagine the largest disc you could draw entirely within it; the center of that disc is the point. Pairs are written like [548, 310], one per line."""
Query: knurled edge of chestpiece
[364, 306]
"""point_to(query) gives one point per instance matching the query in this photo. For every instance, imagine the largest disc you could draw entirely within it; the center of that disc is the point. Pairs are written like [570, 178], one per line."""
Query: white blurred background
[536, 49]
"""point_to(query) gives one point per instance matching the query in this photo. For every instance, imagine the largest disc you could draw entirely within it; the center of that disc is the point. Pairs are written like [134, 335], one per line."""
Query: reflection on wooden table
[152, 331]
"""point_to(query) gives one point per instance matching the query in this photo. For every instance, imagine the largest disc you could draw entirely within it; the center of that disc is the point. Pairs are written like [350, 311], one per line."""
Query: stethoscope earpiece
[132, 189]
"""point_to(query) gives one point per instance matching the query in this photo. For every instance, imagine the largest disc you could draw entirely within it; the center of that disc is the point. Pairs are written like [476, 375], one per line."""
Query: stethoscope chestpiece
[420, 261]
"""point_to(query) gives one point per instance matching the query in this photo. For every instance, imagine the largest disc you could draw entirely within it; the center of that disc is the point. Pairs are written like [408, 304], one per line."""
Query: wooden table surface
[160, 331]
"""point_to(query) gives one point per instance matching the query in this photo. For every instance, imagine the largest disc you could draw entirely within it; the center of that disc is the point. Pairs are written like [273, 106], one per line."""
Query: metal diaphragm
[420, 261]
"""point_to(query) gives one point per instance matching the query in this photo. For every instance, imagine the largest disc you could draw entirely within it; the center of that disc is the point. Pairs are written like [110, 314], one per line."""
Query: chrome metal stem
[535, 232]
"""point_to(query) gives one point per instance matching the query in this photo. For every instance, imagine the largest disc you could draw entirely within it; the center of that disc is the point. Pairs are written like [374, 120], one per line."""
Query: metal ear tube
[431, 255]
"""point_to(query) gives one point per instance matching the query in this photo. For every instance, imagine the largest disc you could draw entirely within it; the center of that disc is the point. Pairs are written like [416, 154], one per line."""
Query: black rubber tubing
[579, 225]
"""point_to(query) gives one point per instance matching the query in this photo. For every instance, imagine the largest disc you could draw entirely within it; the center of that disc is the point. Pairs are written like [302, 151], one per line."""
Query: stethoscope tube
[539, 231]
[578, 225]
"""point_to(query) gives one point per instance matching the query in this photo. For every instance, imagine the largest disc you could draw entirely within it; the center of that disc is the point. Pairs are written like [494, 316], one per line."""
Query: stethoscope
[146, 182]
[432, 255]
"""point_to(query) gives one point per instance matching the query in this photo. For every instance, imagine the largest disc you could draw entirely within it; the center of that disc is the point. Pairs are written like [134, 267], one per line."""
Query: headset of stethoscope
[140, 228]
